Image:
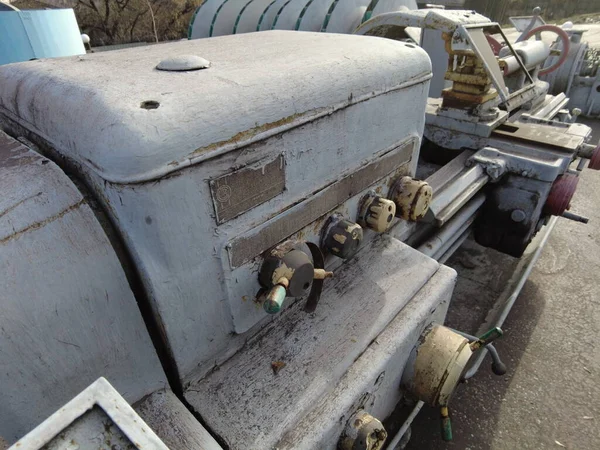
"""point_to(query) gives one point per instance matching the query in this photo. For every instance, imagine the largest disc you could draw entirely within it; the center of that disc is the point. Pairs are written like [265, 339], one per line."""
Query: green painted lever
[276, 296]
[487, 338]
[446, 424]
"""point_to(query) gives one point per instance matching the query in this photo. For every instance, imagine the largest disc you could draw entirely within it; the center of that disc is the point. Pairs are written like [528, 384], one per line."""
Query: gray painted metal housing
[137, 136]
[68, 314]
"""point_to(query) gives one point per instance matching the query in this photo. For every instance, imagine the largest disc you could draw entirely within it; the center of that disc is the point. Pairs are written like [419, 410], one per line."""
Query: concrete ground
[550, 396]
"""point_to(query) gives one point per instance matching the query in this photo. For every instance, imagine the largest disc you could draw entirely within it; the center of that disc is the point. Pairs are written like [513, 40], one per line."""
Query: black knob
[295, 266]
[342, 238]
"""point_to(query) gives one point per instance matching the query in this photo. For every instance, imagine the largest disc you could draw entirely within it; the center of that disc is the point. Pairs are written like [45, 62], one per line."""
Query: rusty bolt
[363, 432]
[412, 198]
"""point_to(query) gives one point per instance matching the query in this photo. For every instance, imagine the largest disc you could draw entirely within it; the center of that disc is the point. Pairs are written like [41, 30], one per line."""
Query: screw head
[518, 215]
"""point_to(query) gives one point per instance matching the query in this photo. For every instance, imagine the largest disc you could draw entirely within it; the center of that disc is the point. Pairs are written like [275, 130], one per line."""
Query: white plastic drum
[203, 18]
[266, 20]
[226, 17]
[314, 14]
[250, 16]
[346, 16]
[383, 6]
[288, 17]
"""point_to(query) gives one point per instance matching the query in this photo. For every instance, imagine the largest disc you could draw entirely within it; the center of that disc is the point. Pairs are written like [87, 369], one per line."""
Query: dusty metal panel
[68, 313]
[89, 107]
[256, 409]
[245, 248]
[246, 188]
[174, 423]
[170, 229]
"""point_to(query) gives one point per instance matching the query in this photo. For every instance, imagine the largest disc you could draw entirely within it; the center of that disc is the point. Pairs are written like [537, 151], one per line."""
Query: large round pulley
[561, 193]
[566, 44]
[595, 159]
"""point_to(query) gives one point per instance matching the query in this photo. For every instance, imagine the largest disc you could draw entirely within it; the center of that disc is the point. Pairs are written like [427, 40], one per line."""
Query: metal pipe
[497, 362]
[432, 245]
[446, 256]
[455, 194]
[455, 237]
[505, 302]
[409, 420]
[574, 217]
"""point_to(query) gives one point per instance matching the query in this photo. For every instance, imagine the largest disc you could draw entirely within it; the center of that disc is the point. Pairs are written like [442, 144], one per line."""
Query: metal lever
[574, 217]
[446, 424]
[498, 367]
[276, 295]
[487, 338]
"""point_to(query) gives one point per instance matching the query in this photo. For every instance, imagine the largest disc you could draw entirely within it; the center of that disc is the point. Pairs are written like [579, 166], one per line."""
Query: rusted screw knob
[342, 238]
[412, 198]
[377, 213]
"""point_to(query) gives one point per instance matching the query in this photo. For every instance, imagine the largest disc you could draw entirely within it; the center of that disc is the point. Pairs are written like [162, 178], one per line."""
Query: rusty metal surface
[247, 247]
[243, 189]
[363, 432]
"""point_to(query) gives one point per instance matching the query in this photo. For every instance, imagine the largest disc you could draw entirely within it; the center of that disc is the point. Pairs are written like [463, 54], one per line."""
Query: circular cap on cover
[183, 63]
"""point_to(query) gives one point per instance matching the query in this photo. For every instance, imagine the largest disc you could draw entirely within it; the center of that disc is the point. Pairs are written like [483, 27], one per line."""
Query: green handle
[487, 338]
[446, 424]
[274, 300]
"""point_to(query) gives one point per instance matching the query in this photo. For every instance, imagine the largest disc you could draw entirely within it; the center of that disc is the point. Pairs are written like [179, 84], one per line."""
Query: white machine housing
[199, 170]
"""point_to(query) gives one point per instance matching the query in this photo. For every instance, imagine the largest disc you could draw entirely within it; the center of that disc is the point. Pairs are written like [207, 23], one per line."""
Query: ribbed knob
[377, 213]
[412, 198]
[342, 238]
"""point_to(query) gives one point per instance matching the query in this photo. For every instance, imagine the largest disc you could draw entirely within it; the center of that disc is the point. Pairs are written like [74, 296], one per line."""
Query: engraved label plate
[248, 187]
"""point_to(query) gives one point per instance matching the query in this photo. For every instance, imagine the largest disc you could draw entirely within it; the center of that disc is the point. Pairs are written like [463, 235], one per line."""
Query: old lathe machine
[245, 234]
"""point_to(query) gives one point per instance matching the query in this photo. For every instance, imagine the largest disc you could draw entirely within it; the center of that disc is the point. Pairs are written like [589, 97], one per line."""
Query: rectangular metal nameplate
[246, 188]
[245, 248]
